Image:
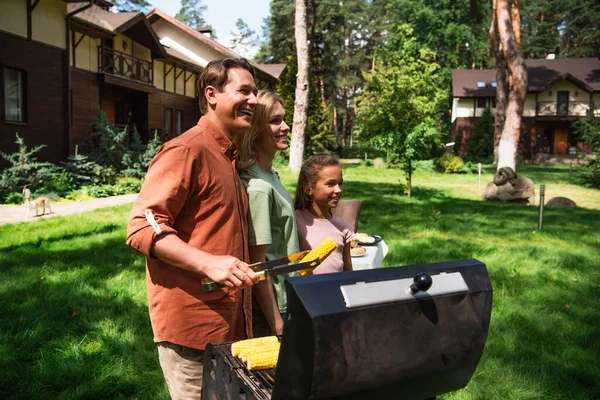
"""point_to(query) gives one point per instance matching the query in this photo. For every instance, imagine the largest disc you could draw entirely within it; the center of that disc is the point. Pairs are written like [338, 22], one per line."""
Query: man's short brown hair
[215, 74]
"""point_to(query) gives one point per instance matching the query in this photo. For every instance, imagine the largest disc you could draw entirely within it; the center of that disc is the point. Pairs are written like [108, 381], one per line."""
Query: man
[190, 221]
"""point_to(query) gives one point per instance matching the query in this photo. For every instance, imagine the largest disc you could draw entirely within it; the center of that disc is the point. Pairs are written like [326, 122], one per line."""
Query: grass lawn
[74, 322]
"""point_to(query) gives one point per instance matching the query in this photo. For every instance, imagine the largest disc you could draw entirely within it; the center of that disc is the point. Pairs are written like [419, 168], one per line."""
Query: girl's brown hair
[248, 144]
[309, 174]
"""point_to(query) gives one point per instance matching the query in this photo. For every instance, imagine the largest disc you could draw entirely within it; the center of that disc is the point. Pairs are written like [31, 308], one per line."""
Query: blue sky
[222, 14]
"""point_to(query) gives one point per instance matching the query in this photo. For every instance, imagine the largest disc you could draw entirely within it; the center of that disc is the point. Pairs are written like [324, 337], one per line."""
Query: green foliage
[24, 169]
[243, 40]
[399, 109]
[191, 13]
[14, 198]
[481, 144]
[106, 144]
[317, 135]
[451, 164]
[82, 169]
[57, 180]
[132, 5]
[425, 166]
[129, 184]
[588, 130]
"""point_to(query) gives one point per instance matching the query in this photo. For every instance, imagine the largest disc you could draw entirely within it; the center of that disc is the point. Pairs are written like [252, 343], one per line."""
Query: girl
[319, 190]
[272, 224]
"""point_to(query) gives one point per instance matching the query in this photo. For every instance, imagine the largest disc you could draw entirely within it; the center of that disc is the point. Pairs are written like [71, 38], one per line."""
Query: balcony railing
[125, 65]
[555, 108]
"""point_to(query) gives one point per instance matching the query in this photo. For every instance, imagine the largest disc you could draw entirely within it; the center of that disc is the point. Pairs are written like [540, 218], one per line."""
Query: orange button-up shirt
[194, 191]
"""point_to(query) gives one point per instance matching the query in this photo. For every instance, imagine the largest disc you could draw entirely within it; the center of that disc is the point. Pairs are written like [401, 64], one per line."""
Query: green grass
[73, 309]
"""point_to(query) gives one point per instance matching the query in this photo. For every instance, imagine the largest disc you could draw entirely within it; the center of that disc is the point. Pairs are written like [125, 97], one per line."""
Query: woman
[272, 225]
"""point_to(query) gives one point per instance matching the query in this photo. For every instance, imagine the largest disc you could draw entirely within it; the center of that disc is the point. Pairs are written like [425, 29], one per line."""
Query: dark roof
[97, 22]
[541, 73]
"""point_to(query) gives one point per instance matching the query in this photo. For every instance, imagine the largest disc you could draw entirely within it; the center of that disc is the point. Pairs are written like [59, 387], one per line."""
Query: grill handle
[421, 283]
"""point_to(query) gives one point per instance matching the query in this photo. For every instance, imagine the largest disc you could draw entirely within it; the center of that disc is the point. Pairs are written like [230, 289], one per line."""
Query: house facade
[560, 91]
[61, 61]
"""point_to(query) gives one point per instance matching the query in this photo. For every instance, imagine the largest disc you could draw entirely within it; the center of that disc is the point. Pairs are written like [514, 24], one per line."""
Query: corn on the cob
[263, 360]
[268, 348]
[237, 347]
[321, 252]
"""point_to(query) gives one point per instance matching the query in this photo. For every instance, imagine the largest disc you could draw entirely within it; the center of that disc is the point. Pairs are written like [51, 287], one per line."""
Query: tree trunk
[501, 83]
[335, 126]
[509, 142]
[409, 178]
[301, 102]
[516, 20]
[344, 118]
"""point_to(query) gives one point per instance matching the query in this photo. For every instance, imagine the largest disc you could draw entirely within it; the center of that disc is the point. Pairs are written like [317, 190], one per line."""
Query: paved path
[16, 214]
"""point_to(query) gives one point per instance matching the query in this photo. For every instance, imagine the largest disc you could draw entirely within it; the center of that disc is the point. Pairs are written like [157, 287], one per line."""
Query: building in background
[61, 61]
[559, 92]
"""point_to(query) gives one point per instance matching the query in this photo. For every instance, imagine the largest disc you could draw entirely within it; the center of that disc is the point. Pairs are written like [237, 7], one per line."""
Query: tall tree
[402, 101]
[511, 132]
[191, 13]
[132, 5]
[501, 81]
[244, 40]
[301, 98]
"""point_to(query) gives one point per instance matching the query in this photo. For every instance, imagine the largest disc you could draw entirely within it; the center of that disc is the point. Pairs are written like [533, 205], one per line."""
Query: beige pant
[182, 367]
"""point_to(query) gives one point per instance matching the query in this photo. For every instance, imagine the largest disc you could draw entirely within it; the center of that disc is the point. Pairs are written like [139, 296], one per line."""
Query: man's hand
[230, 272]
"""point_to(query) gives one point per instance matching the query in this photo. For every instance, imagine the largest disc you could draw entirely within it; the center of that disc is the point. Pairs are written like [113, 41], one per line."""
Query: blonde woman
[272, 223]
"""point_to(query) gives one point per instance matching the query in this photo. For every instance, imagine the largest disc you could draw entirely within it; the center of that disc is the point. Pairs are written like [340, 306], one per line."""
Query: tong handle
[209, 285]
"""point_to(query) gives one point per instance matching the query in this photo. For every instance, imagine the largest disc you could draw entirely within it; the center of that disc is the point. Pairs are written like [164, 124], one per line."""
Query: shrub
[481, 144]
[588, 129]
[24, 169]
[128, 184]
[56, 180]
[589, 174]
[450, 164]
[425, 166]
[82, 169]
[14, 198]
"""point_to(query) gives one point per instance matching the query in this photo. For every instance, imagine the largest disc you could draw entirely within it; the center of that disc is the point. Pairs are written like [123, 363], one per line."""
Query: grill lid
[383, 342]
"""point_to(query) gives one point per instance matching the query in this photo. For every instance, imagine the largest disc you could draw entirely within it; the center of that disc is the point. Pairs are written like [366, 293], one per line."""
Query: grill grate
[254, 384]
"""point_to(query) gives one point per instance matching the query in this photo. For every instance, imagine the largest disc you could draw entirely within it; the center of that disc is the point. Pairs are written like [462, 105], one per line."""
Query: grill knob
[421, 283]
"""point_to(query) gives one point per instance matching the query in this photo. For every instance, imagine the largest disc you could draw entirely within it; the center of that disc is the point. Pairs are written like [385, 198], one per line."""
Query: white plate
[359, 255]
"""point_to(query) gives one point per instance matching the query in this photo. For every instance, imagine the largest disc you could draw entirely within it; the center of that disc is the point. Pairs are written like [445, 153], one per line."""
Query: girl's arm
[264, 293]
[347, 258]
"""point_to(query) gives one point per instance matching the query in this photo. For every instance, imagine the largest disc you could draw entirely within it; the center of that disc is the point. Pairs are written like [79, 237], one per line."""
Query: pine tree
[191, 13]
[133, 5]
[244, 40]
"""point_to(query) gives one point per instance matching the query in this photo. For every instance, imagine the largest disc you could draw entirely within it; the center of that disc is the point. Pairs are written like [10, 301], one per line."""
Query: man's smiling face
[234, 104]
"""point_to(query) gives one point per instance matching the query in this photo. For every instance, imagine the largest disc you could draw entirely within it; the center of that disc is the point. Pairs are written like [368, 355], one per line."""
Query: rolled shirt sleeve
[165, 190]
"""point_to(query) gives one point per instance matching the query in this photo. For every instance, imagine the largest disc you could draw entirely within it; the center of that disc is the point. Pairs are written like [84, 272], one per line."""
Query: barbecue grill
[410, 332]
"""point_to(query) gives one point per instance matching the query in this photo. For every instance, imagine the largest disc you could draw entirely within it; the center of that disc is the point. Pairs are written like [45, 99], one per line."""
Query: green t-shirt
[271, 221]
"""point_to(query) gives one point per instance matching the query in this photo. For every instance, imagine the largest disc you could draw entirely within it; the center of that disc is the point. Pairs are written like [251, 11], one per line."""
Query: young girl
[319, 190]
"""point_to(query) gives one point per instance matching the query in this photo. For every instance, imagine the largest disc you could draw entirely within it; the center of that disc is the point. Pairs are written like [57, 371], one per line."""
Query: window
[494, 84]
[480, 84]
[481, 102]
[14, 91]
[168, 119]
[179, 122]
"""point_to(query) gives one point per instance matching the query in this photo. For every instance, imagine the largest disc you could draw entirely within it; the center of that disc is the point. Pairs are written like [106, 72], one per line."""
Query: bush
[481, 144]
[14, 198]
[450, 164]
[589, 174]
[128, 185]
[425, 165]
[588, 129]
[56, 180]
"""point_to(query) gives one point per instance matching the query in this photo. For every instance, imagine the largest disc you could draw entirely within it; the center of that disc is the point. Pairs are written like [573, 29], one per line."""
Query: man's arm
[227, 270]
[263, 292]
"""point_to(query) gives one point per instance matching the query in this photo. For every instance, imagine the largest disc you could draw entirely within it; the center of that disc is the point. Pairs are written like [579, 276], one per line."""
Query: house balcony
[563, 109]
[125, 65]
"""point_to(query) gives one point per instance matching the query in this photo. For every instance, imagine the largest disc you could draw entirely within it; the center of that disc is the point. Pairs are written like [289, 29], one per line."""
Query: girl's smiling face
[327, 190]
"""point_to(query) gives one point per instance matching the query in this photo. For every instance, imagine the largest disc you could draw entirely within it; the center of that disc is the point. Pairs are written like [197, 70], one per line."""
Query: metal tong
[274, 267]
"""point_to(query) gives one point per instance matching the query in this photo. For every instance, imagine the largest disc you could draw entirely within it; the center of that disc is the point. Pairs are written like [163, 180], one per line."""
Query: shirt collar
[227, 146]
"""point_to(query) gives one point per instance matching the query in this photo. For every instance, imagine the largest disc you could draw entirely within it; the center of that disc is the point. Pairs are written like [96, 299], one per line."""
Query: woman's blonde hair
[248, 144]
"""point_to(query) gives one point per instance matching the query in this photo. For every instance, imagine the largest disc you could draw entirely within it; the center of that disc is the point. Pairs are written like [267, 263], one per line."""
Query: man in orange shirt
[190, 221]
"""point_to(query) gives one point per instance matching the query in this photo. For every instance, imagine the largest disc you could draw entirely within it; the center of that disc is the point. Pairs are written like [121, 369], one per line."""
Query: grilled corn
[321, 252]
[238, 347]
[264, 359]
[268, 348]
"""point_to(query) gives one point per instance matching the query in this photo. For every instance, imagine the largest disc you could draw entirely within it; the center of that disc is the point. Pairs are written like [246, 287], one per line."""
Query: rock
[508, 187]
[379, 163]
[561, 202]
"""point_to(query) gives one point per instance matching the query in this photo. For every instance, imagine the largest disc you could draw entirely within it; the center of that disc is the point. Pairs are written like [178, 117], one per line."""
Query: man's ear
[211, 95]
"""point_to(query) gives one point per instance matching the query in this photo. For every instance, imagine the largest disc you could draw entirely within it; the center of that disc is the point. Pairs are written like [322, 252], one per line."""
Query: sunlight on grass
[74, 320]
